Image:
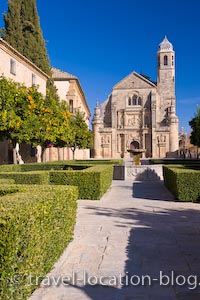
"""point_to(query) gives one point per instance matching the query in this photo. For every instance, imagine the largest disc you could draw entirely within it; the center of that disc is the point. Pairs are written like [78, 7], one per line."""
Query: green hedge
[37, 224]
[39, 177]
[31, 167]
[8, 189]
[92, 182]
[57, 165]
[184, 183]
[100, 161]
[178, 161]
[6, 181]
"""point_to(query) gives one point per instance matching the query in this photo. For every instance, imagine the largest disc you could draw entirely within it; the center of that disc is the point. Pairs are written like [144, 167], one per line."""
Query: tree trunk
[39, 153]
[17, 159]
[73, 152]
[42, 154]
[14, 156]
[59, 153]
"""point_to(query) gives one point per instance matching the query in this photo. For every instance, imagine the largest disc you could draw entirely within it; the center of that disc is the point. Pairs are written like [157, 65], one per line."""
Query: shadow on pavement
[162, 239]
[162, 244]
[154, 190]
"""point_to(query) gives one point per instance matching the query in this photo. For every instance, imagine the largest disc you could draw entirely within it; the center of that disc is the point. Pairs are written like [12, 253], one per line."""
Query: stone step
[138, 173]
[144, 173]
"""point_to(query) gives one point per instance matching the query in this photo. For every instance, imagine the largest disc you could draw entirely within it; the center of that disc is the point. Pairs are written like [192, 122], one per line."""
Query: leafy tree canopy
[26, 117]
[195, 125]
[81, 137]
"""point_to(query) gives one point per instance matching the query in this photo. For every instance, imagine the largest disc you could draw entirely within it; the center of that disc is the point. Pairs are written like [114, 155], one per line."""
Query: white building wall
[63, 88]
[23, 67]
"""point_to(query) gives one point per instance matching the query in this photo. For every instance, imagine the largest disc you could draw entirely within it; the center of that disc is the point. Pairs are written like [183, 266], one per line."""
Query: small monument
[136, 155]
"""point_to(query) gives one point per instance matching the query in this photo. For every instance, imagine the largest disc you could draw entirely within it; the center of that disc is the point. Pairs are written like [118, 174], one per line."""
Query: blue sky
[102, 41]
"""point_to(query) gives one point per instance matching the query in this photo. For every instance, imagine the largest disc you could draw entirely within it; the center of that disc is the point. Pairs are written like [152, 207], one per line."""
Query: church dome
[165, 45]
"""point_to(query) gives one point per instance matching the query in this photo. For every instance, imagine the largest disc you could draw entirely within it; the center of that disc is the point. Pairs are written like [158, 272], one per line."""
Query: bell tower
[166, 90]
[166, 70]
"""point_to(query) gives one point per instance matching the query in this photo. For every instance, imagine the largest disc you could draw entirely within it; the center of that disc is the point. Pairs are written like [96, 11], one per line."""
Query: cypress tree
[22, 31]
[12, 33]
[35, 48]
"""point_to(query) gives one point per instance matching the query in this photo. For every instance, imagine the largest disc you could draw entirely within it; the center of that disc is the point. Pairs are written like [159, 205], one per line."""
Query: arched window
[129, 101]
[71, 106]
[172, 60]
[140, 101]
[165, 60]
[134, 100]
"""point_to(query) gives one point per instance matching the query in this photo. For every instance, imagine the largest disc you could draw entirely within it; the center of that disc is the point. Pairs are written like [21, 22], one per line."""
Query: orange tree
[81, 136]
[46, 121]
[11, 97]
[26, 117]
[64, 134]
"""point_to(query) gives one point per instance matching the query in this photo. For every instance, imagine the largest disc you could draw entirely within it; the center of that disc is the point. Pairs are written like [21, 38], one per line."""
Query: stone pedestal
[119, 172]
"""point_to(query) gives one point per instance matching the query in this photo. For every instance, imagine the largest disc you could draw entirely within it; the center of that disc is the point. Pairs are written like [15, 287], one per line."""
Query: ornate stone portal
[140, 113]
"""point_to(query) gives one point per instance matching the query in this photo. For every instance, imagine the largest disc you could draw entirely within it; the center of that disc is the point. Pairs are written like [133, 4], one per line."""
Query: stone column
[114, 116]
[173, 133]
[97, 123]
[153, 112]
[122, 138]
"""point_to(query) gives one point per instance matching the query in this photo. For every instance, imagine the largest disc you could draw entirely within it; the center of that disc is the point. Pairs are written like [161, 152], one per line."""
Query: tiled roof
[58, 74]
[148, 78]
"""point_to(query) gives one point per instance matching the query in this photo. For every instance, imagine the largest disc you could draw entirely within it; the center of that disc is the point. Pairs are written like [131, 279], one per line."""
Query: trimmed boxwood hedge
[174, 161]
[57, 165]
[37, 177]
[8, 189]
[37, 224]
[6, 181]
[183, 182]
[31, 167]
[92, 182]
[100, 161]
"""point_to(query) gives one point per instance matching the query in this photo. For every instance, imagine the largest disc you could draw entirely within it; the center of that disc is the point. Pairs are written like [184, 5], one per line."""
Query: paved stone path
[136, 229]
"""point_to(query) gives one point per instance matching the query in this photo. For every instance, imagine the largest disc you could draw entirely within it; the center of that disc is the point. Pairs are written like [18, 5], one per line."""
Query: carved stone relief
[161, 138]
[105, 139]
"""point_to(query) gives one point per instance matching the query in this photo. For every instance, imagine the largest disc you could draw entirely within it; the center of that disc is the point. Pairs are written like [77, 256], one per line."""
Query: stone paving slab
[136, 232]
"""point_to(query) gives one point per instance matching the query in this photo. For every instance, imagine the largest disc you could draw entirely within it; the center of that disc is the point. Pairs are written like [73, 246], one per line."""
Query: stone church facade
[140, 113]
